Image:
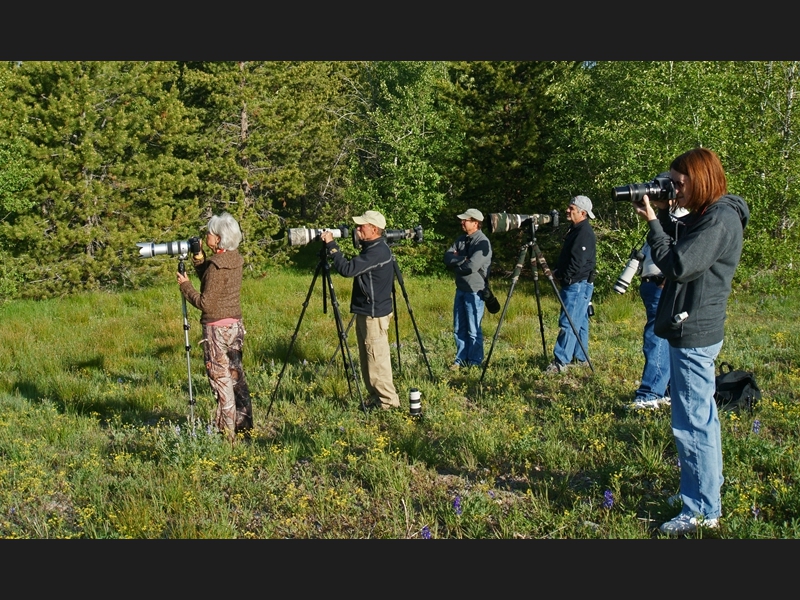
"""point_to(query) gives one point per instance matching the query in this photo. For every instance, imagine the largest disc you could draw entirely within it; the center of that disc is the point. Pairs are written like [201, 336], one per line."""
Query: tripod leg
[188, 362]
[399, 277]
[182, 270]
[396, 329]
[549, 275]
[347, 359]
[333, 356]
[514, 278]
[538, 303]
[294, 335]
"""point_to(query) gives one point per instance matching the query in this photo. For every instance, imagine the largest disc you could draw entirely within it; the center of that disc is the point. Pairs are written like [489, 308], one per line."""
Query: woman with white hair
[221, 319]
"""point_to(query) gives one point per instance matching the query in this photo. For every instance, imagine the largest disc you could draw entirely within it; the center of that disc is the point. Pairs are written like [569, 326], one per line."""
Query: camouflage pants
[222, 353]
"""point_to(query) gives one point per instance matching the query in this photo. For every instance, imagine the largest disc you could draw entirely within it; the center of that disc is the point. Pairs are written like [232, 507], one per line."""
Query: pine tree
[111, 140]
[271, 151]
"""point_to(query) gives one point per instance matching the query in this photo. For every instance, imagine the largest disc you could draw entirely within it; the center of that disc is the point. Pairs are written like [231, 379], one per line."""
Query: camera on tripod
[661, 188]
[176, 248]
[631, 268]
[301, 236]
[394, 235]
[502, 222]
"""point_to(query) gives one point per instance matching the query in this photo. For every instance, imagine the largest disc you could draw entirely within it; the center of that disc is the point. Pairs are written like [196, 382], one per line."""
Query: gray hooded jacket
[698, 257]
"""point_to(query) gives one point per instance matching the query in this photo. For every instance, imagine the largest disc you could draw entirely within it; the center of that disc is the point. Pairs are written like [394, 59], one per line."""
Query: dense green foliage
[95, 441]
[623, 122]
[97, 156]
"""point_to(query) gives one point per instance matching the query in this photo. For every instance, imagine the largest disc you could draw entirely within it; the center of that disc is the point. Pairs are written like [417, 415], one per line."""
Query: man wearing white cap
[469, 258]
[372, 271]
[575, 270]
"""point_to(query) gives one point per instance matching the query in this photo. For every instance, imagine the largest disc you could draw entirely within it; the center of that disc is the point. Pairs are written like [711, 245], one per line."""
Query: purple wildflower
[457, 505]
[608, 499]
[491, 494]
[756, 511]
[756, 426]
[426, 533]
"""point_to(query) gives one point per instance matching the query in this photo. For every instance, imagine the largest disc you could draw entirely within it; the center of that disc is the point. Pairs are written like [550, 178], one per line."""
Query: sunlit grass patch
[95, 439]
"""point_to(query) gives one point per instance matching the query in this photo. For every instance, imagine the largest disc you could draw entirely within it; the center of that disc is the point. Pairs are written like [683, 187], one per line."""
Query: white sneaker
[639, 404]
[665, 401]
[683, 524]
[555, 367]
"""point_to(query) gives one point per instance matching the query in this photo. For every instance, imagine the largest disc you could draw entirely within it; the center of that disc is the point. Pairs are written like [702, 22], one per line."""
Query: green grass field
[95, 439]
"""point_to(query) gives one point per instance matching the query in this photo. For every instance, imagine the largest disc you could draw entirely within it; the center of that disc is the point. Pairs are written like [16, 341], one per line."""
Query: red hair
[704, 170]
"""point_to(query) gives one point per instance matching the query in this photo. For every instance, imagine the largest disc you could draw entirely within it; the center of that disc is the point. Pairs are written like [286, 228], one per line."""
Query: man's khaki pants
[376, 361]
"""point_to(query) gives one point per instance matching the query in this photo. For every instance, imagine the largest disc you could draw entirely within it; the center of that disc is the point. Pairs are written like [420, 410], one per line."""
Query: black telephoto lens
[661, 188]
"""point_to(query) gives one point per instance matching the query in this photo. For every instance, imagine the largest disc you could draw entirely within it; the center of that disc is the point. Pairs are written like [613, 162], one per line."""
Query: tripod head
[181, 265]
[531, 224]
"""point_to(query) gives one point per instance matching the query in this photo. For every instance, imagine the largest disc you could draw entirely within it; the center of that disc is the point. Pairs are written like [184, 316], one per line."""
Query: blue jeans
[467, 316]
[576, 298]
[655, 375]
[695, 425]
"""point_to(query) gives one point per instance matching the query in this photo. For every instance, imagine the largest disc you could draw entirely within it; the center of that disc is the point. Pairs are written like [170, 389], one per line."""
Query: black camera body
[394, 235]
[661, 188]
[502, 222]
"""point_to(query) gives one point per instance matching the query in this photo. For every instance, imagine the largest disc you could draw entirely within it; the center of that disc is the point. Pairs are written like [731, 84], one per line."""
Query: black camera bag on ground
[736, 390]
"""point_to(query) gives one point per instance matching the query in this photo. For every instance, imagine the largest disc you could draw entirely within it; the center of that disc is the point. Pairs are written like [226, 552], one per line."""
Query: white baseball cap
[472, 213]
[373, 217]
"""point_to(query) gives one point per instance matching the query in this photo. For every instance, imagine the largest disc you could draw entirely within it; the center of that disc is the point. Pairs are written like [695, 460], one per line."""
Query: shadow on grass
[125, 409]
[76, 392]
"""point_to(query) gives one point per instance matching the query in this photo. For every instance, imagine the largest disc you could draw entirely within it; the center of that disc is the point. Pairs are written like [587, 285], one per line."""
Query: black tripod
[324, 267]
[399, 278]
[536, 257]
[182, 271]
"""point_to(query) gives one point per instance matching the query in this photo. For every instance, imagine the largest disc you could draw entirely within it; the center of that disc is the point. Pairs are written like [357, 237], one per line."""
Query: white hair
[227, 228]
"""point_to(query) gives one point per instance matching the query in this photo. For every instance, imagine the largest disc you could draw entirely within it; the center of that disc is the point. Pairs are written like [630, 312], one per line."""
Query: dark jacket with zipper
[698, 256]
[373, 273]
[578, 256]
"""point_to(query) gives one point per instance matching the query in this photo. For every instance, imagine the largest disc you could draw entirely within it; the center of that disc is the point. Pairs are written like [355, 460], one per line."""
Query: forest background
[98, 156]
